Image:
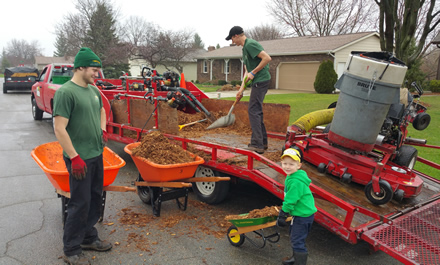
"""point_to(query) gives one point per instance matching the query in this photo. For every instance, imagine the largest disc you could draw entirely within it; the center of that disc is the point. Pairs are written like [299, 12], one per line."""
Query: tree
[21, 52]
[198, 43]
[402, 21]
[324, 18]
[175, 46]
[5, 62]
[265, 32]
[326, 78]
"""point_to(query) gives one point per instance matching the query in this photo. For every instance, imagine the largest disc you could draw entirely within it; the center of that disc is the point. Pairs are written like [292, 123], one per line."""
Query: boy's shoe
[79, 259]
[97, 245]
[255, 149]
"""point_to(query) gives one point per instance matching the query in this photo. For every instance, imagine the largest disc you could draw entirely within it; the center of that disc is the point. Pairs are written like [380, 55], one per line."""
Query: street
[31, 227]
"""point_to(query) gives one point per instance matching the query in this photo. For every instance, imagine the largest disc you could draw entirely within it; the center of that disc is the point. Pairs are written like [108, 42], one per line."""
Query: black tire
[36, 112]
[385, 195]
[406, 157]
[210, 192]
[421, 121]
[236, 240]
[322, 168]
[346, 178]
[5, 90]
[333, 105]
[143, 192]
[398, 195]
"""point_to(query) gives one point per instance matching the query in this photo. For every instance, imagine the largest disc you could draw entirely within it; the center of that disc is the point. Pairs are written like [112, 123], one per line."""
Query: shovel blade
[222, 122]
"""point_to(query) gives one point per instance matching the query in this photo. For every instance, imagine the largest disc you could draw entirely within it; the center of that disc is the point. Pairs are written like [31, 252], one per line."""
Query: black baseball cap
[235, 30]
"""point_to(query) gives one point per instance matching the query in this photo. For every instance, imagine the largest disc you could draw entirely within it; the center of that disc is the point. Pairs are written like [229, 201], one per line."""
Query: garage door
[297, 76]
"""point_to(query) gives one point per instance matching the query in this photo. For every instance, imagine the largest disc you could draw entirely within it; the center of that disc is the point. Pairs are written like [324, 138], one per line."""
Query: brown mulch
[229, 87]
[257, 213]
[158, 149]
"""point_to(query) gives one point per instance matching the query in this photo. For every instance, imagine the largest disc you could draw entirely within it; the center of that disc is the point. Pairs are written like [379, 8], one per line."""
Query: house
[42, 61]
[295, 61]
[188, 63]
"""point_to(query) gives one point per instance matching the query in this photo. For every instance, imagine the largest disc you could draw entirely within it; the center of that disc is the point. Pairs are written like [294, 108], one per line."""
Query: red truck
[51, 78]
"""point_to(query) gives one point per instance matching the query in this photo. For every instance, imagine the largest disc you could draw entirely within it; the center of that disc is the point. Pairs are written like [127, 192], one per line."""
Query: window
[205, 66]
[227, 67]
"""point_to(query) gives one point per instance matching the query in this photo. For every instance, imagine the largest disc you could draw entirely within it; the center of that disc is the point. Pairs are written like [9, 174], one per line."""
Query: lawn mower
[365, 139]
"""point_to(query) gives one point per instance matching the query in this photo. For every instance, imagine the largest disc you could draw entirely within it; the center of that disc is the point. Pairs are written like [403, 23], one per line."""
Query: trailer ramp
[413, 238]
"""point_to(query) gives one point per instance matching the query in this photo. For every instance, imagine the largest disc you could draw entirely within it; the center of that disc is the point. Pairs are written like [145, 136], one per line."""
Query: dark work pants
[299, 230]
[83, 210]
[255, 112]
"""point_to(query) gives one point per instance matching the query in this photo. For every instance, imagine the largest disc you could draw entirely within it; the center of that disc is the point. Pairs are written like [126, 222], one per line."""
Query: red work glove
[104, 137]
[79, 168]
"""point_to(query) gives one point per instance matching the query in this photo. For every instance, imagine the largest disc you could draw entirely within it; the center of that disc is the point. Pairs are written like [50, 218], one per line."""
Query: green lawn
[302, 104]
[207, 89]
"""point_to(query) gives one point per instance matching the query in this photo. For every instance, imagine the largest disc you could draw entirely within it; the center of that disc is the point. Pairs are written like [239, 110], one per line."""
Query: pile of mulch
[229, 87]
[158, 149]
[257, 213]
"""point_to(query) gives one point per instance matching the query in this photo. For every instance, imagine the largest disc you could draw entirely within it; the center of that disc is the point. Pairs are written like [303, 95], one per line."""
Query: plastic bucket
[368, 88]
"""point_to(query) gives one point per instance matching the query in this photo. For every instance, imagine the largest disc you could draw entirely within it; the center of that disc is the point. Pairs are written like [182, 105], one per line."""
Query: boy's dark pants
[255, 111]
[299, 231]
[83, 210]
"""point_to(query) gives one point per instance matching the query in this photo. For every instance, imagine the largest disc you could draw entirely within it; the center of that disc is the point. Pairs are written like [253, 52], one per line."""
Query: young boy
[299, 203]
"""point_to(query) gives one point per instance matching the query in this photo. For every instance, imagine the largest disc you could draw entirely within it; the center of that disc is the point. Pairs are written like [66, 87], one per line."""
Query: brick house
[295, 61]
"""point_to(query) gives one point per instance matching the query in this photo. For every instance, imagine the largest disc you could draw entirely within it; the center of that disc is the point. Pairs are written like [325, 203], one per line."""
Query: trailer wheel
[385, 195]
[210, 192]
[235, 240]
[36, 112]
[421, 121]
[407, 156]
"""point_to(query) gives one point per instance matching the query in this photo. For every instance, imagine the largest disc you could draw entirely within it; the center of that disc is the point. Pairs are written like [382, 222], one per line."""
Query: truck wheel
[36, 112]
[210, 192]
[385, 195]
[5, 90]
[407, 156]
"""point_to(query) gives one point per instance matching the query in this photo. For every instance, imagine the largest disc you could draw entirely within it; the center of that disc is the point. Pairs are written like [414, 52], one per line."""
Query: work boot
[79, 259]
[97, 245]
[255, 149]
[301, 258]
[290, 261]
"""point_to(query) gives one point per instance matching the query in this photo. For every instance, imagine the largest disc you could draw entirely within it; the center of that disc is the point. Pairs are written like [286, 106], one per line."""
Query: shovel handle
[233, 105]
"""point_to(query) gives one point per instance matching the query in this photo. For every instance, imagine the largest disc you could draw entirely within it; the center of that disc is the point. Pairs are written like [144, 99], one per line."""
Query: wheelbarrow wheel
[143, 192]
[235, 240]
[385, 195]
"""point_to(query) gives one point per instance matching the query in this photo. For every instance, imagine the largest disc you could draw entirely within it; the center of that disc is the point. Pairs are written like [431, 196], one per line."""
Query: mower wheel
[407, 156]
[235, 240]
[385, 195]
[210, 192]
[398, 195]
[322, 168]
[36, 112]
[346, 178]
[421, 121]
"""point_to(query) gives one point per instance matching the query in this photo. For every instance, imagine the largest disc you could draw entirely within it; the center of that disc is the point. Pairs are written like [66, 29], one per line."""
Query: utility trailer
[408, 231]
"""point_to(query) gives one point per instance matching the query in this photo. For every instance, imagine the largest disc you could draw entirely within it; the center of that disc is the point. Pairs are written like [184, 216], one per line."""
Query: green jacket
[298, 199]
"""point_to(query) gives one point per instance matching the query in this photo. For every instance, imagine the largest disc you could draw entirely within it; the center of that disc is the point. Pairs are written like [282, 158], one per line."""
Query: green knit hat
[86, 58]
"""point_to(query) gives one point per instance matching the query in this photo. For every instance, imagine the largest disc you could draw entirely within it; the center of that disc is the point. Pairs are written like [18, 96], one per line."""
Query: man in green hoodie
[299, 203]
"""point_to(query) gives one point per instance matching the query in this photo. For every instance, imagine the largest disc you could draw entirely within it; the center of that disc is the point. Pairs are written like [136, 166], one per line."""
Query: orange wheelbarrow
[49, 157]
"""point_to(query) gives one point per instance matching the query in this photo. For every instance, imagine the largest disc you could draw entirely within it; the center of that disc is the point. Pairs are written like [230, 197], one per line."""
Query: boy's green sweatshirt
[298, 199]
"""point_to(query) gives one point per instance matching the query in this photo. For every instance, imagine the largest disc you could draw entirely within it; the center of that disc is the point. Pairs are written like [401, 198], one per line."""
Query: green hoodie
[298, 199]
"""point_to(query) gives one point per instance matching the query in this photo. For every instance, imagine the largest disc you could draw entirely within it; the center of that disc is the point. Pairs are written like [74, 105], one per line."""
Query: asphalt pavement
[31, 228]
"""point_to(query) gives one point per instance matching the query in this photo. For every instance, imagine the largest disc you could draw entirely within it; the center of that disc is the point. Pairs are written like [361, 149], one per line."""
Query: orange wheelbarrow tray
[152, 172]
[49, 157]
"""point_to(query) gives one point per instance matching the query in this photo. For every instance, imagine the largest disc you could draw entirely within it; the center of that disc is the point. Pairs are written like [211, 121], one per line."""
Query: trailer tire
[36, 112]
[236, 240]
[407, 156]
[210, 192]
[385, 195]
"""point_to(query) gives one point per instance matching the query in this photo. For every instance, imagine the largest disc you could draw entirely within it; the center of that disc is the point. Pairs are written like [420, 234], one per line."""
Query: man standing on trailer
[256, 62]
[80, 123]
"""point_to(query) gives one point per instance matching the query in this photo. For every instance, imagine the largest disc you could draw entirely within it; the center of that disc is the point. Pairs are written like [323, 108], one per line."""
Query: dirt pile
[257, 213]
[158, 149]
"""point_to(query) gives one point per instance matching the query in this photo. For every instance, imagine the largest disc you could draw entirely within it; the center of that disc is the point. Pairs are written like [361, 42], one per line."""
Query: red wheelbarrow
[49, 157]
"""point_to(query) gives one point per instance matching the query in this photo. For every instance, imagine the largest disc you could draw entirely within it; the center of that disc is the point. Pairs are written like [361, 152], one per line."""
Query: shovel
[225, 120]
[191, 123]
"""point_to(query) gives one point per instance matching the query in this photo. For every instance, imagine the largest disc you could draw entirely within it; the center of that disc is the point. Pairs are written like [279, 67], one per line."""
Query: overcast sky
[35, 20]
